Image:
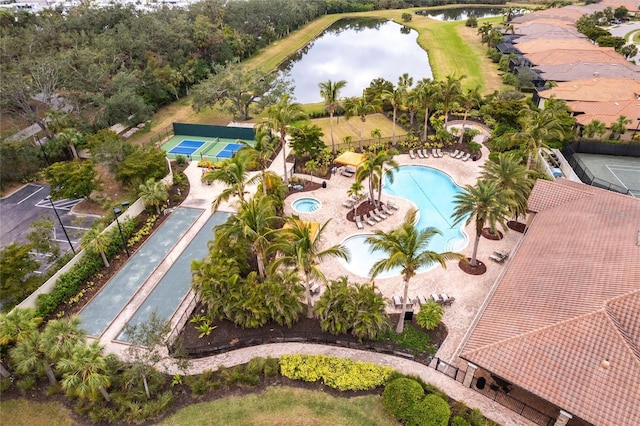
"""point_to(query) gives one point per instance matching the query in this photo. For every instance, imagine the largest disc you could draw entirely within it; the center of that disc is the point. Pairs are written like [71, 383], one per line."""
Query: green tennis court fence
[210, 131]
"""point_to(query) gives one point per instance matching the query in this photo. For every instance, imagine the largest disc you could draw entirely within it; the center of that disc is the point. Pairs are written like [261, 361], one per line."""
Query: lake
[357, 51]
[460, 14]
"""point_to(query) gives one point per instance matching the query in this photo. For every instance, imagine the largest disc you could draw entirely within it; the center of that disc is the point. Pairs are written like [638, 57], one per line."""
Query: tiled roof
[546, 30]
[567, 56]
[596, 89]
[543, 44]
[580, 70]
[548, 325]
[607, 112]
[561, 14]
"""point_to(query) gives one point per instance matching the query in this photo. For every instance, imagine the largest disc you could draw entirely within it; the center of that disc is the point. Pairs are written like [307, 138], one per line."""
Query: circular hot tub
[306, 205]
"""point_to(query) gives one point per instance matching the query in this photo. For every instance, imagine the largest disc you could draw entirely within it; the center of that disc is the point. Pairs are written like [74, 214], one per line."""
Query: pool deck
[470, 291]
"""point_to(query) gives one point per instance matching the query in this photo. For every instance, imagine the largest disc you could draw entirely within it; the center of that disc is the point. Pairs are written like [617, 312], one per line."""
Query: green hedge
[338, 373]
[432, 410]
[400, 396]
[69, 283]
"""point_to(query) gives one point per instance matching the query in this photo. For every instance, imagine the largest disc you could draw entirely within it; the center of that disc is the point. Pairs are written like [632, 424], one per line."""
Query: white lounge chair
[386, 209]
[397, 301]
[466, 157]
[314, 288]
[454, 153]
[379, 213]
[359, 222]
[436, 297]
[349, 204]
[368, 220]
[446, 300]
[434, 152]
[420, 154]
[439, 152]
[392, 206]
[412, 154]
[375, 217]
[425, 152]
[422, 300]
[496, 258]
[459, 155]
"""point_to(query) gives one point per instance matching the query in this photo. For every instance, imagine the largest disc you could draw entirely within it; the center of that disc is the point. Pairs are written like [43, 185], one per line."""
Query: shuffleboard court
[106, 305]
[624, 172]
[174, 285]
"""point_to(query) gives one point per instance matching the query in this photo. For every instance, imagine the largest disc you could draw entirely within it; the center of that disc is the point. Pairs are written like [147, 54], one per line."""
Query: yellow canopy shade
[350, 159]
[313, 226]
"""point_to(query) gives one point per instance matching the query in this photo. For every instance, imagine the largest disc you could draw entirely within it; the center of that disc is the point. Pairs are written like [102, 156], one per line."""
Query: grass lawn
[285, 406]
[18, 412]
[352, 128]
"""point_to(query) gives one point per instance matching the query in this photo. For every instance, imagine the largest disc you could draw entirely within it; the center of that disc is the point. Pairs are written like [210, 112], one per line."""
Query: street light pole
[117, 212]
[61, 224]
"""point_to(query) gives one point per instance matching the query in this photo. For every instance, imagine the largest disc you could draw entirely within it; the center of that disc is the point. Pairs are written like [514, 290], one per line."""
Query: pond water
[460, 14]
[357, 51]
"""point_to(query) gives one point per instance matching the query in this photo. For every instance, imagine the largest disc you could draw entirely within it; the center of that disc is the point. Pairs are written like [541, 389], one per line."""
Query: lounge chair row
[437, 153]
[377, 215]
[348, 171]
[499, 256]
[457, 154]
[440, 298]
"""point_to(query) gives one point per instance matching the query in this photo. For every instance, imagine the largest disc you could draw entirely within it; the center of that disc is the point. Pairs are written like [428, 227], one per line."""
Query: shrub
[432, 410]
[27, 383]
[271, 367]
[338, 373]
[181, 159]
[430, 315]
[414, 340]
[400, 395]
[474, 147]
[459, 421]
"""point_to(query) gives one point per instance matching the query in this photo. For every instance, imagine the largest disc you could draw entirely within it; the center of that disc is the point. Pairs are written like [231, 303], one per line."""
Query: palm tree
[254, 222]
[595, 127]
[406, 247]
[448, 91]
[29, 356]
[61, 336]
[396, 98]
[512, 179]
[484, 31]
[619, 127]
[17, 325]
[153, 193]
[359, 107]
[234, 173]
[425, 91]
[355, 191]
[537, 127]
[485, 203]
[261, 152]
[85, 372]
[301, 249]
[96, 238]
[374, 168]
[70, 137]
[282, 297]
[468, 100]
[280, 116]
[330, 92]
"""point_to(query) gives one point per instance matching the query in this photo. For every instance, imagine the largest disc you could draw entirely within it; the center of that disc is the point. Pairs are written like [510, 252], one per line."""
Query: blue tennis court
[186, 147]
[229, 150]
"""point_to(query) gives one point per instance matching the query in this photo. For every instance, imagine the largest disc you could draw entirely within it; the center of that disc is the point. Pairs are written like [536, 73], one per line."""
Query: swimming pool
[306, 205]
[432, 192]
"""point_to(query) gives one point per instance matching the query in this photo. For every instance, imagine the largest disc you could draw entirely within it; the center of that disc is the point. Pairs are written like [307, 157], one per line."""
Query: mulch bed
[466, 267]
[486, 232]
[517, 226]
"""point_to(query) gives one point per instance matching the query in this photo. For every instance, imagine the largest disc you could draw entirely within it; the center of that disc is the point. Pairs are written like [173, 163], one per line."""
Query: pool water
[306, 205]
[432, 192]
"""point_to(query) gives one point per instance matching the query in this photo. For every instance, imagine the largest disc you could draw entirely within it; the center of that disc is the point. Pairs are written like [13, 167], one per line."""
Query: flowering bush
[338, 373]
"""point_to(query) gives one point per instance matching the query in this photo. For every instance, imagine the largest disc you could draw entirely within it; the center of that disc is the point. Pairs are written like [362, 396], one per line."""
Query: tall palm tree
[261, 152]
[448, 91]
[485, 204]
[595, 127]
[468, 99]
[70, 137]
[484, 31]
[29, 356]
[254, 222]
[406, 247]
[299, 248]
[396, 98]
[279, 117]
[360, 107]
[425, 91]
[85, 372]
[512, 178]
[95, 238]
[537, 127]
[330, 92]
[374, 168]
[153, 193]
[234, 173]
[619, 127]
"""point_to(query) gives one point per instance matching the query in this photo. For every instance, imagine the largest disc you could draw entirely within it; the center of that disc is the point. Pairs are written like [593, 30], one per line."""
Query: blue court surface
[174, 286]
[114, 296]
[187, 147]
[229, 150]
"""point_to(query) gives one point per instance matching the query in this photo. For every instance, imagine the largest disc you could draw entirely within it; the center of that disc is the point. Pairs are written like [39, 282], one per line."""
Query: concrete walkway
[201, 196]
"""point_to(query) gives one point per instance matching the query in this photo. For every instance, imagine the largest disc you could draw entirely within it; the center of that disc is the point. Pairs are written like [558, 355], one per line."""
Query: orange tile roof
[554, 316]
[544, 44]
[567, 56]
[607, 112]
[547, 30]
[581, 70]
[595, 89]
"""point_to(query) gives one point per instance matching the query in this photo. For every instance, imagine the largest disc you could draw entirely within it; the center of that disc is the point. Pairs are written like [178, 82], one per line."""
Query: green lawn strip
[351, 127]
[18, 412]
[284, 405]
